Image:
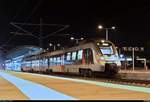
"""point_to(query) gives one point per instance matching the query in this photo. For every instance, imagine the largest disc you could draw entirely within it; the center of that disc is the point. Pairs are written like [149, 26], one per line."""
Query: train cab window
[105, 48]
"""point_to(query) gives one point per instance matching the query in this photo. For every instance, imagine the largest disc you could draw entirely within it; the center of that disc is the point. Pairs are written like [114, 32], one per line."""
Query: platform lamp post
[54, 46]
[77, 40]
[58, 45]
[101, 27]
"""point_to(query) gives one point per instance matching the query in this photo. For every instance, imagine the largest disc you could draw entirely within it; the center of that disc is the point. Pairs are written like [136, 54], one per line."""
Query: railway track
[103, 78]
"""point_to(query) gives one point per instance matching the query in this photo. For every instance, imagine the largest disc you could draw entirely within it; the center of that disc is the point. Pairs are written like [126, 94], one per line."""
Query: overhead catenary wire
[40, 25]
[29, 16]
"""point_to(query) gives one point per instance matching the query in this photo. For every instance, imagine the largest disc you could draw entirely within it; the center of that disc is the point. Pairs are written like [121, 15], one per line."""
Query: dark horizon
[131, 20]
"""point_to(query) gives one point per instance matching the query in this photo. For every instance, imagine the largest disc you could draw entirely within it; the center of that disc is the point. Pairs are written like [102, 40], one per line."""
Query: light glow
[50, 44]
[105, 44]
[102, 41]
[113, 27]
[100, 27]
[72, 38]
[82, 38]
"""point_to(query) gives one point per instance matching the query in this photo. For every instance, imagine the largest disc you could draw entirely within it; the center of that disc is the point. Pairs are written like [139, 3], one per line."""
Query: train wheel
[107, 69]
[32, 71]
[22, 70]
[89, 73]
[82, 72]
[49, 71]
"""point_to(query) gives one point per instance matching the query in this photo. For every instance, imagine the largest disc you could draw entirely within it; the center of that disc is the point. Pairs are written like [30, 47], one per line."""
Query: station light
[113, 27]
[72, 38]
[82, 38]
[100, 27]
[58, 45]
[50, 44]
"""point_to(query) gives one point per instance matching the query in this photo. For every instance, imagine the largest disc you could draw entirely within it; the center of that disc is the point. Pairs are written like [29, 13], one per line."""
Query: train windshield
[105, 48]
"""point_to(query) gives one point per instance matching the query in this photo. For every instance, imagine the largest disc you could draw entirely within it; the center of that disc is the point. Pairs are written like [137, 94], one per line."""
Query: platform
[31, 86]
[135, 74]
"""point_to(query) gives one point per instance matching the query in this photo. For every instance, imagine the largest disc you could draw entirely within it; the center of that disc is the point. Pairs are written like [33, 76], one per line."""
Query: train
[86, 58]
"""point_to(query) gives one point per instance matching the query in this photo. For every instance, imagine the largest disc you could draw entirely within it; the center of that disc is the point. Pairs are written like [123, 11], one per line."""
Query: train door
[87, 56]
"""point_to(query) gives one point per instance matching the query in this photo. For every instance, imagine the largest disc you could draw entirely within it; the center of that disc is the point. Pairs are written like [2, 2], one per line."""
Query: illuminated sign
[135, 48]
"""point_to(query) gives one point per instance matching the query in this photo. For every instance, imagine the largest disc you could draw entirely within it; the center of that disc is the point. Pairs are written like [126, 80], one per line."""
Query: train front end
[108, 56]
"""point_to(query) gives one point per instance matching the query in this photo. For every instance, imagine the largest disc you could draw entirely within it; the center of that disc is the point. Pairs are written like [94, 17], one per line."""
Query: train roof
[93, 40]
[57, 52]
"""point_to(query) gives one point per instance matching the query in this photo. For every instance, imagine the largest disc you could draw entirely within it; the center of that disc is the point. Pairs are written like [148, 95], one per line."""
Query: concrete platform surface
[81, 89]
[35, 91]
[8, 91]
[72, 88]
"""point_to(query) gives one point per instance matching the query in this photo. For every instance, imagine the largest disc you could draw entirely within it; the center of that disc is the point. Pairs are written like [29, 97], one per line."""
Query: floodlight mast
[101, 27]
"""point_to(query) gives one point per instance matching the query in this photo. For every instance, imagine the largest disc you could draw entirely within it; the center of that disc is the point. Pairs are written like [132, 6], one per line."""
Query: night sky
[132, 20]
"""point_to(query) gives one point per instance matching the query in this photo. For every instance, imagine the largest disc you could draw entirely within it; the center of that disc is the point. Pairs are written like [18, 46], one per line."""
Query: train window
[32, 64]
[27, 64]
[58, 61]
[62, 59]
[50, 61]
[79, 57]
[37, 63]
[68, 56]
[45, 62]
[54, 60]
[74, 55]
